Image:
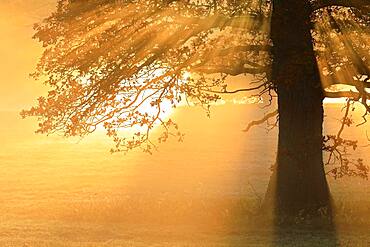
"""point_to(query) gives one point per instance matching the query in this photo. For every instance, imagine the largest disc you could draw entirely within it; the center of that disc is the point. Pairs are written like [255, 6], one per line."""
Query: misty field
[202, 192]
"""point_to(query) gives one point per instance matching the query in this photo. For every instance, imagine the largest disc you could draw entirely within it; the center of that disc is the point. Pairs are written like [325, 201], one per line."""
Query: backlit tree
[119, 63]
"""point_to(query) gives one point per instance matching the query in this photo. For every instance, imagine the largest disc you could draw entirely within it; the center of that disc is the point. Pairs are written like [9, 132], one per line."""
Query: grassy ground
[176, 236]
[203, 192]
[137, 222]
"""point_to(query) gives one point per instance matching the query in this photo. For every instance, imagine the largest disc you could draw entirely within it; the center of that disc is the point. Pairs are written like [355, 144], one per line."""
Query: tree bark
[298, 184]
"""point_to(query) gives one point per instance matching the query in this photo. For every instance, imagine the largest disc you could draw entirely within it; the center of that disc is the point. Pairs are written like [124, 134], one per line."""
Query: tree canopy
[108, 61]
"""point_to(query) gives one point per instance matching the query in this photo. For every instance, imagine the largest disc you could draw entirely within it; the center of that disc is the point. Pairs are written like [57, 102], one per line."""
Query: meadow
[204, 191]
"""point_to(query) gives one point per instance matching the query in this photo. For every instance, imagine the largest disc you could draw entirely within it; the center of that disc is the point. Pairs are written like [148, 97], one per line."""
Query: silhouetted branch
[337, 147]
[225, 91]
[343, 94]
[359, 4]
[230, 70]
[262, 120]
[245, 48]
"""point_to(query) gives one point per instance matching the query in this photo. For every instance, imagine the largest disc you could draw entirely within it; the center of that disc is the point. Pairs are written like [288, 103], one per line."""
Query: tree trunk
[298, 184]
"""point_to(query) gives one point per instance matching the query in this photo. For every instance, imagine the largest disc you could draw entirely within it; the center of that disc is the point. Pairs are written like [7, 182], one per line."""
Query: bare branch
[343, 94]
[244, 48]
[262, 120]
[359, 4]
[230, 70]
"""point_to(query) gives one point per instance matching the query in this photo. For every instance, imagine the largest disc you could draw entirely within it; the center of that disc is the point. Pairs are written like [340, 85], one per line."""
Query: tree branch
[244, 48]
[234, 91]
[359, 4]
[261, 121]
[230, 70]
[341, 94]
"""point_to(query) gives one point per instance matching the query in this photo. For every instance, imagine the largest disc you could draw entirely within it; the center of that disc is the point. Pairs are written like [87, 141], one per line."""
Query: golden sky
[53, 188]
[18, 52]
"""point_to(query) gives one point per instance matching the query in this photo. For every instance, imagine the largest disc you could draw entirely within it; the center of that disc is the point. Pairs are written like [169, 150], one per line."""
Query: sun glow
[342, 61]
[148, 103]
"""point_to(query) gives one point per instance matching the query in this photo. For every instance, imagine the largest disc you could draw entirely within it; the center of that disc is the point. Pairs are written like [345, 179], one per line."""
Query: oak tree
[118, 63]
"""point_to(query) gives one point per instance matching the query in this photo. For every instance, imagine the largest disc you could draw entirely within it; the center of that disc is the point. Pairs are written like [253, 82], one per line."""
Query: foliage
[338, 149]
[119, 64]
